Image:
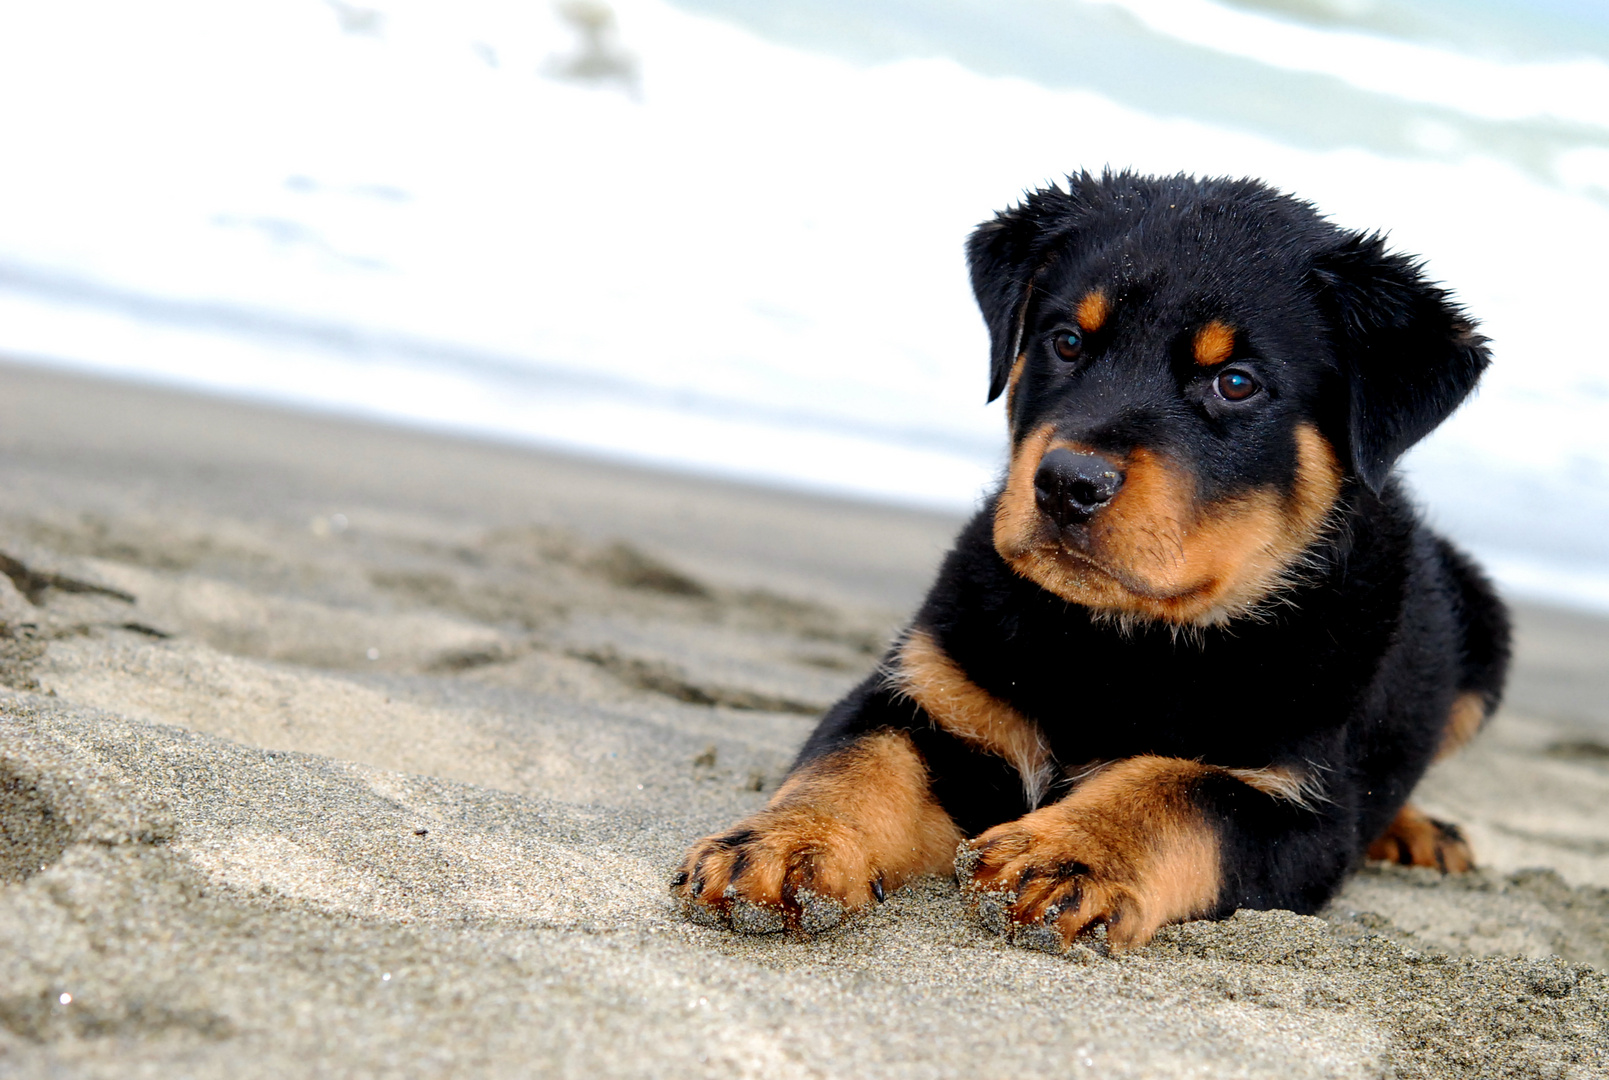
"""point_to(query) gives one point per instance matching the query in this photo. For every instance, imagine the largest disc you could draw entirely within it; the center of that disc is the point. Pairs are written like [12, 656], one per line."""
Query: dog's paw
[1415, 838]
[1067, 872]
[1044, 889]
[783, 870]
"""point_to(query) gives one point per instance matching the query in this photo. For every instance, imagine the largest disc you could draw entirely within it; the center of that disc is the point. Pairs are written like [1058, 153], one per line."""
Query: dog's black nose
[1070, 486]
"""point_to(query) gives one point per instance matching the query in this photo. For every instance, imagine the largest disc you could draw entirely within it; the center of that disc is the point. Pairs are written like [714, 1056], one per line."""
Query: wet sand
[334, 748]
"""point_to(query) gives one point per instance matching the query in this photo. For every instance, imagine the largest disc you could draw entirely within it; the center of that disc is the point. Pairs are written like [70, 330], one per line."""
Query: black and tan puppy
[1198, 649]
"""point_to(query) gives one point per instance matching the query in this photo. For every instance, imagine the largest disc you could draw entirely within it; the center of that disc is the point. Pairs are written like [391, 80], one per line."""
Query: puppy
[1197, 649]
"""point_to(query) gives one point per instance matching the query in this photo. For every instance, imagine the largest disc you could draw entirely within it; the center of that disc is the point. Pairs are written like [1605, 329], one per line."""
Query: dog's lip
[1124, 580]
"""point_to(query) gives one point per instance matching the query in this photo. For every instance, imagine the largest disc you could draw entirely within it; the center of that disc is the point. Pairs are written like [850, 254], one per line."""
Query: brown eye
[1235, 385]
[1069, 344]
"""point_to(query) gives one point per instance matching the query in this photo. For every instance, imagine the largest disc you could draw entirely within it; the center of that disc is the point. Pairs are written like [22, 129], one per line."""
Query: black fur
[1199, 576]
[1349, 670]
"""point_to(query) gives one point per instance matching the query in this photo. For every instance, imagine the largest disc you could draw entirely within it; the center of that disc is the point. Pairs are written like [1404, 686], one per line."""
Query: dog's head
[1198, 374]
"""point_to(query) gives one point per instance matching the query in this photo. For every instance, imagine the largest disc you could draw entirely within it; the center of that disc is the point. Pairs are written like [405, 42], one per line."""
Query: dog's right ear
[1005, 254]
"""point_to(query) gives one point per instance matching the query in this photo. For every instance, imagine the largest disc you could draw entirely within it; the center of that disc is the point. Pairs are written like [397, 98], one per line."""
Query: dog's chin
[1089, 562]
[1065, 564]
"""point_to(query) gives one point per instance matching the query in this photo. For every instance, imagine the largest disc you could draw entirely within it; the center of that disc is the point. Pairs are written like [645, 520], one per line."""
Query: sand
[335, 749]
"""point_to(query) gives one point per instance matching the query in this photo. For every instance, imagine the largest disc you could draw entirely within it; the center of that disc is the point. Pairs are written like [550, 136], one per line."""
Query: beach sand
[329, 748]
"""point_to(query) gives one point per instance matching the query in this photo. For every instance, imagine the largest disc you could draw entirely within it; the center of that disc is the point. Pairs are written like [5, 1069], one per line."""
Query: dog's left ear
[1408, 354]
[1003, 255]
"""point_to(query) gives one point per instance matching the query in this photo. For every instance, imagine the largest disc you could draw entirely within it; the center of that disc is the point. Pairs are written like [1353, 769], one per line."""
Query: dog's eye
[1235, 385]
[1069, 344]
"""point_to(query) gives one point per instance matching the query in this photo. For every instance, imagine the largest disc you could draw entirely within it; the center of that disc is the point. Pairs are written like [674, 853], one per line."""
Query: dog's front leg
[844, 828]
[1145, 842]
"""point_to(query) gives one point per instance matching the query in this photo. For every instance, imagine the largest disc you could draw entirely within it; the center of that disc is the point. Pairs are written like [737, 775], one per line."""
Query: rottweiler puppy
[1196, 651]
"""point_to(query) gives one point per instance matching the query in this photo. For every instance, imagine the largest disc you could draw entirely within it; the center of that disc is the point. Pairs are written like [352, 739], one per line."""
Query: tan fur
[926, 674]
[1415, 839]
[1464, 721]
[1093, 311]
[1012, 381]
[1016, 515]
[1127, 848]
[1214, 343]
[1285, 782]
[1154, 552]
[859, 815]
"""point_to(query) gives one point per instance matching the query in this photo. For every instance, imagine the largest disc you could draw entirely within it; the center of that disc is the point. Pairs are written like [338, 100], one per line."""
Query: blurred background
[726, 235]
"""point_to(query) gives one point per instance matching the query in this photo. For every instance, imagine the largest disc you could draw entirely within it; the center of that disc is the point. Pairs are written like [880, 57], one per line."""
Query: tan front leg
[1127, 849]
[842, 830]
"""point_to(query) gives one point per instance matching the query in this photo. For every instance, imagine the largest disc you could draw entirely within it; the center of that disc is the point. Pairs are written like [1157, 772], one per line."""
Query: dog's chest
[1098, 693]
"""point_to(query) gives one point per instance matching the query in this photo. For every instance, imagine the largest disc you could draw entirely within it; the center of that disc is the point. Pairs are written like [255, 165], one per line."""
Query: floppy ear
[1004, 255]
[1408, 354]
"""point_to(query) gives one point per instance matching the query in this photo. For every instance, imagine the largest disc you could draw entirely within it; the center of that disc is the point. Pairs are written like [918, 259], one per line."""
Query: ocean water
[725, 235]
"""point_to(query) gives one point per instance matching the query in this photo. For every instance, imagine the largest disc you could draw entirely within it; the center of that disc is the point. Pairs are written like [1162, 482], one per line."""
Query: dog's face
[1197, 375]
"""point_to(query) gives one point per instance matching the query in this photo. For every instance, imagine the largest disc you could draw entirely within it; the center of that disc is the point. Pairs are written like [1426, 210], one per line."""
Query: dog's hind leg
[1483, 651]
[1414, 838]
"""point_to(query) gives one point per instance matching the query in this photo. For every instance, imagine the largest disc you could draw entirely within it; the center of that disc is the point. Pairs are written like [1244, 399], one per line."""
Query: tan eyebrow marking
[1093, 310]
[1214, 343]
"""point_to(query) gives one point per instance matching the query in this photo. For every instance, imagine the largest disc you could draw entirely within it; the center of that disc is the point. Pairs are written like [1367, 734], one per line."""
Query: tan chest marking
[927, 675]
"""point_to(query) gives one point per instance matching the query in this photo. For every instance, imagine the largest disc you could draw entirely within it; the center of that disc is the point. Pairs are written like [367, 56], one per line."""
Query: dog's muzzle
[1071, 487]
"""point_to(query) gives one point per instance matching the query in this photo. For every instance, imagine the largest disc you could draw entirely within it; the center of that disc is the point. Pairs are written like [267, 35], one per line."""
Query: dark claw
[679, 880]
[698, 888]
[1067, 903]
[877, 889]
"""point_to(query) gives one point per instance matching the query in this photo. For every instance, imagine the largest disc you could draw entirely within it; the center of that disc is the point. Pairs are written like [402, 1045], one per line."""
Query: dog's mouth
[1104, 529]
[1152, 549]
[1073, 548]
